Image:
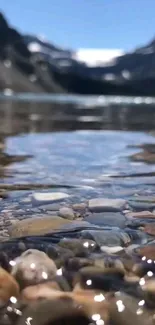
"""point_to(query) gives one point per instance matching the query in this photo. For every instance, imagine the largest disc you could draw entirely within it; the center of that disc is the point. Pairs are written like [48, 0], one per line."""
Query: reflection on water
[33, 116]
[106, 150]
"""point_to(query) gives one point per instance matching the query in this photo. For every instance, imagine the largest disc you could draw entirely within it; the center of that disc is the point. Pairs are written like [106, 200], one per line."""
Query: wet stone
[8, 286]
[78, 246]
[36, 226]
[149, 286]
[92, 277]
[129, 310]
[49, 207]
[112, 250]
[113, 219]
[140, 214]
[111, 238]
[32, 267]
[80, 207]
[105, 204]
[140, 206]
[146, 252]
[66, 213]
[146, 199]
[49, 197]
[76, 263]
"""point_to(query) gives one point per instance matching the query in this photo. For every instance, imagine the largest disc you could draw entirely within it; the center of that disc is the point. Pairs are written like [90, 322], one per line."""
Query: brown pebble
[131, 278]
[80, 247]
[110, 265]
[37, 226]
[77, 263]
[81, 207]
[149, 286]
[149, 228]
[48, 290]
[67, 308]
[147, 251]
[8, 286]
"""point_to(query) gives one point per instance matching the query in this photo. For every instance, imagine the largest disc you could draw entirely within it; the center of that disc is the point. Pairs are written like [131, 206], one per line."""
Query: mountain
[31, 64]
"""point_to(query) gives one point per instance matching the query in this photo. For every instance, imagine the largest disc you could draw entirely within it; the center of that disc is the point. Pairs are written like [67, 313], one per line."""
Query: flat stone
[146, 199]
[149, 229]
[49, 207]
[37, 226]
[105, 204]
[66, 213]
[113, 219]
[79, 207]
[140, 205]
[111, 238]
[47, 197]
[112, 250]
[140, 214]
[147, 252]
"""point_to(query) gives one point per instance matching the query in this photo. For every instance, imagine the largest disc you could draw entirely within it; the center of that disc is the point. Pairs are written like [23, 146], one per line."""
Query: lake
[87, 147]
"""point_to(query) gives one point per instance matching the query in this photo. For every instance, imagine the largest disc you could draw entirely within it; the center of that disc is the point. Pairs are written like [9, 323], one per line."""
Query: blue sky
[76, 24]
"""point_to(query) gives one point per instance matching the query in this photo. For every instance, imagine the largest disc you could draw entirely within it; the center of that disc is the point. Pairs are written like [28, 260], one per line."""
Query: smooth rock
[149, 229]
[37, 226]
[128, 310]
[80, 207]
[147, 252]
[66, 213]
[47, 197]
[76, 263]
[105, 204]
[75, 224]
[113, 219]
[140, 206]
[51, 207]
[66, 308]
[46, 289]
[140, 214]
[80, 247]
[107, 237]
[149, 285]
[92, 277]
[32, 267]
[43, 290]
[8, 287]
[140, 198]
[111, 250]
[110, 265]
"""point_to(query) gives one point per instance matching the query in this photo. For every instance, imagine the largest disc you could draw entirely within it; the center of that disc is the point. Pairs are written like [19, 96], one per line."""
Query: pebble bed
[91, 261]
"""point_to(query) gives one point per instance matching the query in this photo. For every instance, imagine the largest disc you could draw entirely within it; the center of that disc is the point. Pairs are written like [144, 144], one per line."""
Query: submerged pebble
[33, 266]
[87, 265]
[37, 226]
[105, 204]
[66, 213]
[107, 219]
[47, 197]
[8, 287]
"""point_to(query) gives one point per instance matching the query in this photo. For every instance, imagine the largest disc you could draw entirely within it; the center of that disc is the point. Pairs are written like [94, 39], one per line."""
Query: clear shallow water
[79, 142]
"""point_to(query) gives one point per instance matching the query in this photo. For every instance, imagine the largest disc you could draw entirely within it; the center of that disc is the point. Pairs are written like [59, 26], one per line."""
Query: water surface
[82, 146]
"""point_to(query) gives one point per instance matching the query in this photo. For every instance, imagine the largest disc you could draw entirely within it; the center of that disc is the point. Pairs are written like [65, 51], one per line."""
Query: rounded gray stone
[66, 213]
[105, 204]
[113, 219]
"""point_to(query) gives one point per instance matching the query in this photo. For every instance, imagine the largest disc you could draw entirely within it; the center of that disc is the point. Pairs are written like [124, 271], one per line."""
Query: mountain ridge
[29, 64]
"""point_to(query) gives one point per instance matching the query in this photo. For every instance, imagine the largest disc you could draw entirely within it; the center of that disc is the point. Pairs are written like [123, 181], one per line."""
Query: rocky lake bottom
[77, 213]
